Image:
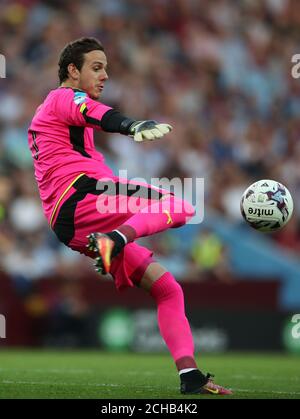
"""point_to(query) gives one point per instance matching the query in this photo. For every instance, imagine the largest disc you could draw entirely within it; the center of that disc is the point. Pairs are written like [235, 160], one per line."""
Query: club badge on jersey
[79, 97]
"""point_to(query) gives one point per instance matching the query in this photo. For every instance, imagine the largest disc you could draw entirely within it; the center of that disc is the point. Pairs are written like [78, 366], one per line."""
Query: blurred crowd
[218, 70]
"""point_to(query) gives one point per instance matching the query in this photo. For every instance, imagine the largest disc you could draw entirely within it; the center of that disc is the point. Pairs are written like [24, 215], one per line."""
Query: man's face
[93, 73]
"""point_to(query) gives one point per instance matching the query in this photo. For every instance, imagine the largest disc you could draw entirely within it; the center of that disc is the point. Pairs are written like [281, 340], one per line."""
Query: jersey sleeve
[75, 107]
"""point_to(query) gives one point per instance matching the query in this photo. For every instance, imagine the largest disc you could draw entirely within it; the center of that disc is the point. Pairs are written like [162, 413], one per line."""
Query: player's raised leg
[168, 212]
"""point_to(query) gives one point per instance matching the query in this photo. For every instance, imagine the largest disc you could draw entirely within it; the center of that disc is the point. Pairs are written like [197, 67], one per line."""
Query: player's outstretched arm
[147, 130]
[74, 107]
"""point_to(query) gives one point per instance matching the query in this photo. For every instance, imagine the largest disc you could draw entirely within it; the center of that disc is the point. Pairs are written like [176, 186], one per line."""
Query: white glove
[148, 130]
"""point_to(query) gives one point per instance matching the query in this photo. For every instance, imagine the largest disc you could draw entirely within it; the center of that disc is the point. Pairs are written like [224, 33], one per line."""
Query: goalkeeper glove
[148, 130]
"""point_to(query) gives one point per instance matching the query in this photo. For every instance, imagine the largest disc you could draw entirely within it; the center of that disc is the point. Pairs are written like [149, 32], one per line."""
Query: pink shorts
[92, 206]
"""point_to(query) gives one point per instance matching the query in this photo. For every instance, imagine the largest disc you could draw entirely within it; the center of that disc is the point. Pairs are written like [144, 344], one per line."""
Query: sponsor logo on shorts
[169, 221]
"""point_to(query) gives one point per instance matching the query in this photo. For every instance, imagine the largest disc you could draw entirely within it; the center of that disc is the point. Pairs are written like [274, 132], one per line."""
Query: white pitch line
[48, 383]
[52, 370]
[244, 390]
[261, 377]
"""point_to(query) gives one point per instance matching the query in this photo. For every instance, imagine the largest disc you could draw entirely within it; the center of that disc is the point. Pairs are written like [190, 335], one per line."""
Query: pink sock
[173, 324]
[166, 213]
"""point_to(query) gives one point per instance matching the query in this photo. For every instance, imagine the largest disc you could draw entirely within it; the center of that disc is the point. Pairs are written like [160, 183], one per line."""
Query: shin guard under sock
[173, 324]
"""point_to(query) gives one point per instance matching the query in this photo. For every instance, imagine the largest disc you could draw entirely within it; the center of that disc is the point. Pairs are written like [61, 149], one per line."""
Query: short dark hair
[73, 53]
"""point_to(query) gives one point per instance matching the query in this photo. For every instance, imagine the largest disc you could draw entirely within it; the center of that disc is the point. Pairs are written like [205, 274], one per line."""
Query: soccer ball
[267, 205]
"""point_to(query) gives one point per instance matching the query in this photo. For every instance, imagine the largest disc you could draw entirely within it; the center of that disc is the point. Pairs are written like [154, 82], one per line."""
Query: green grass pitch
[100, 375]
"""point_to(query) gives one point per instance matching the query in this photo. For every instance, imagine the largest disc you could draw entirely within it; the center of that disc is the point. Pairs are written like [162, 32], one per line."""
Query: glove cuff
[141, 125]
[126, 125]
[114, 121]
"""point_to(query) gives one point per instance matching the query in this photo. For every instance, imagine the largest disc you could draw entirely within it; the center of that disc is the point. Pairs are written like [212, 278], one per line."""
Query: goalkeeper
[93, 212]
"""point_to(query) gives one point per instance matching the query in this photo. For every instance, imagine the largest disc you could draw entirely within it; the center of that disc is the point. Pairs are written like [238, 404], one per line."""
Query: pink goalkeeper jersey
[61, 140]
